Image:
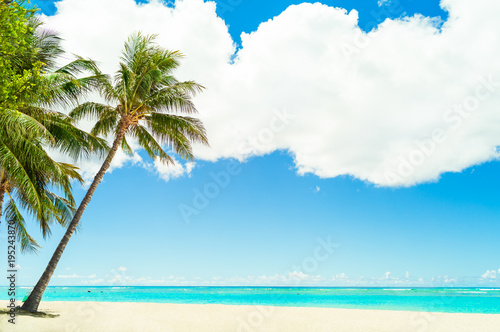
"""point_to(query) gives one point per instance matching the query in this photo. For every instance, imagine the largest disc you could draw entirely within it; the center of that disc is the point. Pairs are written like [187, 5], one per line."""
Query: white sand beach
[131, 317]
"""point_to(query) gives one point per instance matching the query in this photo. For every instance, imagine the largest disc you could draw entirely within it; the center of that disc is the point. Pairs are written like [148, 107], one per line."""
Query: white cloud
[369, 105]
[68, 276]
[168, 172]
[76, 276]
[301, 276]
[490, 274]
[121, 277]
[340, 276]
[89, 167]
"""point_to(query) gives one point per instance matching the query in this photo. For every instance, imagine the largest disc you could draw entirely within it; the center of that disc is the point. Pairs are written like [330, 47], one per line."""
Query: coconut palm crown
[145, 96]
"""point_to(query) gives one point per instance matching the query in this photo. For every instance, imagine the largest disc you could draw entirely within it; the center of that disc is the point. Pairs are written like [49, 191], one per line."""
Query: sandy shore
[131, 317]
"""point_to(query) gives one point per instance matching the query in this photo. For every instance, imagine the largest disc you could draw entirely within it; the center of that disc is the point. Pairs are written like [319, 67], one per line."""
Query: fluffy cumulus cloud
[490, 274]
[397, 106]
[172, 171]
[75, 276]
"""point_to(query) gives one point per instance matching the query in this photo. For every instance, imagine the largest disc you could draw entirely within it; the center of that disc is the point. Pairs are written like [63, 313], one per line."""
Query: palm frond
[13, 216]
[126, 148]
[49, 46]
[150, 145]
[106, 124]
[15, 123]
[68, 139]
[90, 110]
[64, 208]
[20, 172]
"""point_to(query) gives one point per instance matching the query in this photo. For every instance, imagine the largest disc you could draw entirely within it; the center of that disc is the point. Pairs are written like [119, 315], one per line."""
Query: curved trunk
[31, 304]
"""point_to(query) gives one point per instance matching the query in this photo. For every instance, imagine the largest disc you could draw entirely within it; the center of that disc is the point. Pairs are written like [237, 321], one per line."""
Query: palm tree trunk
[31, 304]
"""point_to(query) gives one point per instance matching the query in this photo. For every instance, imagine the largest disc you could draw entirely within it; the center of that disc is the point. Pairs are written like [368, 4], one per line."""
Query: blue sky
[268, 219]
[267, 224]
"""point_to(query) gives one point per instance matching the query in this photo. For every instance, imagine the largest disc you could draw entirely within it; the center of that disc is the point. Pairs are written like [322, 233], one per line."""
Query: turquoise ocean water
[463, 300]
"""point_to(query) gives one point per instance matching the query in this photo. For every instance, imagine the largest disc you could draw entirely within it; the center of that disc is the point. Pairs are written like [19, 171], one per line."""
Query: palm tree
[146, 97]
[27, 172]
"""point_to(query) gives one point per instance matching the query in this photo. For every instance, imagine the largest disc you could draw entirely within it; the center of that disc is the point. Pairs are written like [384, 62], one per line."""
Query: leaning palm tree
[146, 100]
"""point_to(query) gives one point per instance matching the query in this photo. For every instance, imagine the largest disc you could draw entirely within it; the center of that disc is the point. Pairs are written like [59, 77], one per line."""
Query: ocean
[455, 300]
